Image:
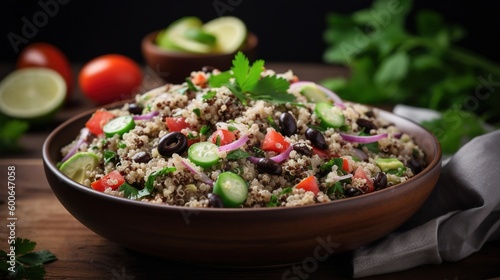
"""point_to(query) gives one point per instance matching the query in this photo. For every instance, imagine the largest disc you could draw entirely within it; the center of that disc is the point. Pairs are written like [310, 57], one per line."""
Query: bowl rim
[148, 46]
[49, 163]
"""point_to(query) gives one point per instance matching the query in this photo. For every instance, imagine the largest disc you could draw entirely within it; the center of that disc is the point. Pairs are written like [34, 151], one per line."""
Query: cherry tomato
[98, 120]
[274, 141]
[225, 137]
[109, 78]
[111, 180]
[47, 55]
[176, 123]
[309, 184]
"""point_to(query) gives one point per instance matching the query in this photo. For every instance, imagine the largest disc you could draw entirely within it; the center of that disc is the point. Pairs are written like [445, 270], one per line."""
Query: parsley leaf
[149, 186]
[28, 264]
[248, 83]
[129, 191]
[237, 154]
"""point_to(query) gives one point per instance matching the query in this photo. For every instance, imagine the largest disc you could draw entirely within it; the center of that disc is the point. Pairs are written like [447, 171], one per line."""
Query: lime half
[76, 167]
[33, 94]
[230, 32]
[174, 37]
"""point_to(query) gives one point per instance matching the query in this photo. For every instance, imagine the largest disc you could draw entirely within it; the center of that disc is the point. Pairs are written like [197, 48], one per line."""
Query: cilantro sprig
[245, 82]
[28, 263]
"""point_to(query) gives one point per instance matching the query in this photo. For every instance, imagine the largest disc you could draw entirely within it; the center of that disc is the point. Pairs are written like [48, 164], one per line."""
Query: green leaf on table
[393, 68]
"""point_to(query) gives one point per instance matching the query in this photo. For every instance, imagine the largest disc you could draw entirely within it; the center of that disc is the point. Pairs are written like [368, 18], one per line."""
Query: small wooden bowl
[174, 66]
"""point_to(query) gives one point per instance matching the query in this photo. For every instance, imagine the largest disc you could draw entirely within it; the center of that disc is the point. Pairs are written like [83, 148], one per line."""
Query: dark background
[288, 30]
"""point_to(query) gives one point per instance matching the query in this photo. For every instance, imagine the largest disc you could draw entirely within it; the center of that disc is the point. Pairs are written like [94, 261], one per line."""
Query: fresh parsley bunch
[390, 65]
[28, 263]
[245, 82]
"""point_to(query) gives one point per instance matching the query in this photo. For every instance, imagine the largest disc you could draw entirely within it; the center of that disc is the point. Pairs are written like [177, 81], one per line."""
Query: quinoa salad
[247, 137]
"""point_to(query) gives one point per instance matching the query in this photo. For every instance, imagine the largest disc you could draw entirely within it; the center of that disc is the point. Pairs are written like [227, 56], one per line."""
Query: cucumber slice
[314, 94]
[230, 32]
[204, 154]
[76, 167]
[329, 115]
[119, 125]
[231, 188]
[173, 37]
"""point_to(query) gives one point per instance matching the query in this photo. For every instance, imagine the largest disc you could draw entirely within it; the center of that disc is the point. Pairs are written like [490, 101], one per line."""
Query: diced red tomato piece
[98, 120]
[111, 180]
[225, 137]
[345, 165]
[360, 173]
[309, 184]
[199, 79]
[274, 141]
[320, 153]
[176, 123]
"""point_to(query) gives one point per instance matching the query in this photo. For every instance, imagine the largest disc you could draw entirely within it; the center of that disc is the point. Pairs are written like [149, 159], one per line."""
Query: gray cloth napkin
[460, 215]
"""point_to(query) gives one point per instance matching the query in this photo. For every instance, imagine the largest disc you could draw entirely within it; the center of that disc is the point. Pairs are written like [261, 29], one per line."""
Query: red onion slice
[337, 101]
[234, 145]
[360, 154]
[204, 178]
[253, 159]
[363, 139]
[84, 133]
[283, 156]
[147, 116]
[343, 177]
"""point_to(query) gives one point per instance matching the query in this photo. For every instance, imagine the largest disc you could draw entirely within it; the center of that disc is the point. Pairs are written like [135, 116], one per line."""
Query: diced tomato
[345, 165]
[199, 79]
[176, 123]
[274, 141]
[320, 153]
[98, 120]
[309, 184]
[111, 180]
[225, 137]
[360, 173]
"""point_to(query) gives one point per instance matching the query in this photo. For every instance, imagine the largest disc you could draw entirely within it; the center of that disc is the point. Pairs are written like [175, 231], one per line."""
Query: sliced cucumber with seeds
[119, 125]
[204, 154]
[231, 188]
[314, 94]
[329, 115]
[76, 167]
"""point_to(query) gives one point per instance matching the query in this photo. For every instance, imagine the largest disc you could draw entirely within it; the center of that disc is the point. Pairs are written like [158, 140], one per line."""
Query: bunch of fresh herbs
[11, 131]
[425, 68]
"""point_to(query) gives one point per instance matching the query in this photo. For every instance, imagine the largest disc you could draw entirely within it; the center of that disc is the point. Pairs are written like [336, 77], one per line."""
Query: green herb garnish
[248, 83]
[204, 130]
[209, 95]
[11, 131]
[28, 264]
[237, 154]
[197, 111]
[149, 186]
[129, 191]
[109, 156]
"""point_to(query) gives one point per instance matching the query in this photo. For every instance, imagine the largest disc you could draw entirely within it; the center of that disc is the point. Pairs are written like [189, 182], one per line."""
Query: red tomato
[360, 173]
[109, 78]
[111, 180]
[47, 55]
[225, 137]
[98, 120]
[176, 123]
[309, 184]
[320, 153]
[345, 165]
[274, 141]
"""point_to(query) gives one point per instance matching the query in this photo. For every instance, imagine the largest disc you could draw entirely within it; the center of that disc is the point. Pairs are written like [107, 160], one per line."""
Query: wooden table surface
[82, 254]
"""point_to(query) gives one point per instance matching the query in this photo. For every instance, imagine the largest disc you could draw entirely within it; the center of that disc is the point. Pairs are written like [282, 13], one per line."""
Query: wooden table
[84, 255]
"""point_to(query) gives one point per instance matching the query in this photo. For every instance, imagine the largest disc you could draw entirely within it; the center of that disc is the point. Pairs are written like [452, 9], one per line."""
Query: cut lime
[76, 167]
[230, 32]
[314, 94]
[33, 94]
[197, 34]
[173, 38]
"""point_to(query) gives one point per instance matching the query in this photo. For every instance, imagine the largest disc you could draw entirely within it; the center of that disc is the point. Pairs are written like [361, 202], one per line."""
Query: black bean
[302, 149]
[207, 69]
[414, 165]
[141, 157]
[134, 109]
[174, 142]
[215, 201]
[380, 181]
[350, 192]
[269, 166]
[317, 139]
[288, 125]
[367, 125]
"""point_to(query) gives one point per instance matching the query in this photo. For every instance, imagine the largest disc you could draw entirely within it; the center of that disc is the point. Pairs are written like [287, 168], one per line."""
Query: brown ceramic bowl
[174, 66]
[243, 237]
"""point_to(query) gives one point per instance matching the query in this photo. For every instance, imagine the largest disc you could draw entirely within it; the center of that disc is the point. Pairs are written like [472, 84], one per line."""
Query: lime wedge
[173, 38]
[230, 32]
[34, 94]
[197, 34]
[76, 167]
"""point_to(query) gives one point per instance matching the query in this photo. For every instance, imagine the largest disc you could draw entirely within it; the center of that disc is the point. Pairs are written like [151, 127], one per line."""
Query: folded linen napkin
[460, 215]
